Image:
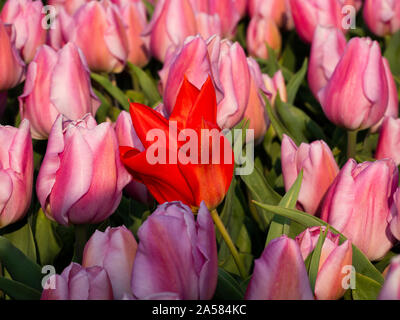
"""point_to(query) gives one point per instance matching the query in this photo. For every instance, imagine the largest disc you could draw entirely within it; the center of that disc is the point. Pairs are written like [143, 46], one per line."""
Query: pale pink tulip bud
[127, 137]
[134, 15]
[81, 177]
[97, 29]
[176, 254]
[172, 22]
[334, 258]
[280, 273]
[327, 48]
[27, 16]
[382, 16]
[16, 172]
[319, 170]
[57, 83]
[263, 32]
[391, 287]
[57, 35]
[358, 205]
[78, 283]
[275, 85]
[357, 93]
[11, 63]
[208, 25]
[114, 250]
[308, 14]
[277, 10]
[389, 140]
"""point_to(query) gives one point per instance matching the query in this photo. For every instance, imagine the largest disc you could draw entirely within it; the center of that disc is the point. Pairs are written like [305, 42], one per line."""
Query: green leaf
[114, 91]
[278, 126]
[19, 266]
[392, 53]
[360, 261]
[102, 112]
[279, 224]
[23, 240]
[17, 290]
[315, 258]
[295, 82]
[228, 288]
[146, 84]
[366, 288]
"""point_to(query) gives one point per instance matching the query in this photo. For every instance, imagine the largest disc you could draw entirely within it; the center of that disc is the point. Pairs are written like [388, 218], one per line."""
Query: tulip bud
[16, 172]
[395, 215]
[57, 35]
[172, 22]
[280, 273]
[11, 64]
[176, 254]
[114, 250]
[134, 15]
[327, 48]
[277, 10]
[358, 205]
[255, 111]
[78, 283]
[357, 94]
[275, 85]
[208, 25]
[127, 136]
[27, 17]
[382, 16]
[308, 14]
[319, 170]
[389, 139]
[77, 189]
[391, 287]
[70, 6]
[97, 29]
[241, 7]
[263, 32]
[333, 259]
[57, 83]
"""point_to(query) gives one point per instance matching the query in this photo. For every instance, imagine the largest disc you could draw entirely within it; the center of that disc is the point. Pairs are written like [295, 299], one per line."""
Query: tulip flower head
[391, 287]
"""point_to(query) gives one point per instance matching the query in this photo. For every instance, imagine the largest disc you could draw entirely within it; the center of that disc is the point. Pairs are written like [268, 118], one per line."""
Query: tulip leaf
[114, 91]
[102, 112]
[146, 84]
[17, 290]
[315, 258]
[23, 240]
[360, 261]
[19, 266]
[295, 82]
[385, 262]
[228, 288]
[280, 225]
[392, 53]
[366, 288]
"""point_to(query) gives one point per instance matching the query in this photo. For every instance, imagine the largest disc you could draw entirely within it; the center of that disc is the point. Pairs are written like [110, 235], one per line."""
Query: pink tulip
[395, 219]
[334, 258]
[78, 283]
[308, 14]
[280, 273]
[97, 29]
[134, 15]
[263, 32]
[357, 93]
[81, 177]
[391, 287]
[27, 17]
[70, 6]
[389, 139]
[358, 205]
[241, 7]
[208, 25]
[127, 137]
[327, 48]
[226, 10]
[57, 83]
[16, 172]
[11, 64]
[176, 254]
[114, 250]
[275, 85]
[355, 3]
[277, 10]
[172, 22]
[382, 16]
[57, 35]
[255, 110]
[319, 170]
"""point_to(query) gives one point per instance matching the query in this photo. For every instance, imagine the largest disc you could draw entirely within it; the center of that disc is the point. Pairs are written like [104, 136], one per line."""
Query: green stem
[80, 241]
[351, 144]
[228, 240]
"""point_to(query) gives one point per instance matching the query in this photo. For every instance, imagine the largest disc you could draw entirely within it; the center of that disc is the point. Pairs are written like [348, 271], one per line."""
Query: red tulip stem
[351, 144]
[80, 241]
[228, 240]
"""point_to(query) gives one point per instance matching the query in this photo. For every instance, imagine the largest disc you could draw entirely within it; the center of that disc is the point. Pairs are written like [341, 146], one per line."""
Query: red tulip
[190, 181]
